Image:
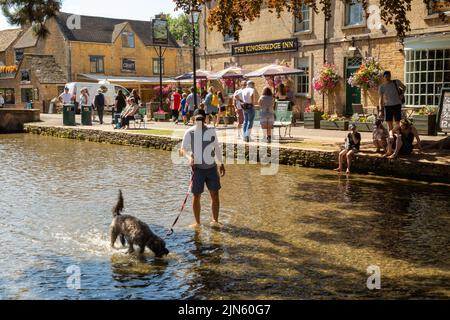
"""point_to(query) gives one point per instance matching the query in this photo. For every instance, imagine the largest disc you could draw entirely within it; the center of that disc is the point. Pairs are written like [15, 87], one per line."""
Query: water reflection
[300, 234]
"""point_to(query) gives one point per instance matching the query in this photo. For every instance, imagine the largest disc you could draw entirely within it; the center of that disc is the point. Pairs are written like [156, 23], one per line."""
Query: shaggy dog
[135, 232]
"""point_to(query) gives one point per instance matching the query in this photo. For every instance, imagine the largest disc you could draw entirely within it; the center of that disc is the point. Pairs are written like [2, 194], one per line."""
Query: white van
[109, 90]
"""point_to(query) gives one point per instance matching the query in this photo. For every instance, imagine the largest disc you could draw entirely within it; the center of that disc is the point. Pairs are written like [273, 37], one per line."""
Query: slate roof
[102, 30]
[27, 40]
[45, 68]
[7, 37]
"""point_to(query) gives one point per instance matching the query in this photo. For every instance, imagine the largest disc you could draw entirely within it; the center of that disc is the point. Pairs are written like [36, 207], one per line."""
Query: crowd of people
[243, 101]
[395, 140]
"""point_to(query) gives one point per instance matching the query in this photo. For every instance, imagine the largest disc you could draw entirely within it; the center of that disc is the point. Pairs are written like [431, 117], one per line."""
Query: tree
[181, 28]
[228, 15]
[30, 12]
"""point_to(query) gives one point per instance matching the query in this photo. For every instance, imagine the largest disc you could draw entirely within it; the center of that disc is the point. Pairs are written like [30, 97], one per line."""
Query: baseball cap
[352, 126]
[199, 114]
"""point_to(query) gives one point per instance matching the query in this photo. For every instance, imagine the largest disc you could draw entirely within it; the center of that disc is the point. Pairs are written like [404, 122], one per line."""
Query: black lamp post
[194, 17]
[160, 38]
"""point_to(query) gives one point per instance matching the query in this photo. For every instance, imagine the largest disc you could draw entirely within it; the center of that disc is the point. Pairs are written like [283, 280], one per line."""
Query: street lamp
[193, 19]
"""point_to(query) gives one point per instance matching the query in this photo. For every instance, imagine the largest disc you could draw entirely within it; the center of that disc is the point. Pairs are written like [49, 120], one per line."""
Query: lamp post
[160, 37]
[194, 17]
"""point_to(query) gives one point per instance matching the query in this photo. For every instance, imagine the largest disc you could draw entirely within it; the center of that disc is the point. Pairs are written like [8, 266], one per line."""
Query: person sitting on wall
[128, 114]
[380, 136]
[351, 148]
[401, 140]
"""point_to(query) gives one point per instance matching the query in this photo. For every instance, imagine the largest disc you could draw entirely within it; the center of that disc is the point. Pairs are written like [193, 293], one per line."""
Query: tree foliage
[228, 15]
[30, 12]
[181, 28]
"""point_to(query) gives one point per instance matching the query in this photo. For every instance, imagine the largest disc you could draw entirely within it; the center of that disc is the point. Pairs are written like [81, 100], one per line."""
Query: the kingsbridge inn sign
[275, 46]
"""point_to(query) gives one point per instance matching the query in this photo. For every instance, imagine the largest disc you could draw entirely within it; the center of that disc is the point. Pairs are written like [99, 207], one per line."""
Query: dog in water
[134, 232]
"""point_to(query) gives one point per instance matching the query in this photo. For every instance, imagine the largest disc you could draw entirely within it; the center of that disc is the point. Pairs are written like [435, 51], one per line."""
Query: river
[301, 234]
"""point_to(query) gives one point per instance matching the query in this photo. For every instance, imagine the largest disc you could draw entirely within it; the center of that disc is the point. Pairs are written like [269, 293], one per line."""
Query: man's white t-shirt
[247, 95]
[2, 101]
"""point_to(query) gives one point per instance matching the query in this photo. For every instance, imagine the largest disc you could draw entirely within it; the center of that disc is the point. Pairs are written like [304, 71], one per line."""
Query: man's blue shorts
[209, 176]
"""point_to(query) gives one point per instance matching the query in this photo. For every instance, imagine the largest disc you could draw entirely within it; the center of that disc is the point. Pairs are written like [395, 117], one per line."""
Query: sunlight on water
[303, 233]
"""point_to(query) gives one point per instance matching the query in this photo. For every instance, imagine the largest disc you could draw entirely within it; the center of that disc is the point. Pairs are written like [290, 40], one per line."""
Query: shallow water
[303, 233]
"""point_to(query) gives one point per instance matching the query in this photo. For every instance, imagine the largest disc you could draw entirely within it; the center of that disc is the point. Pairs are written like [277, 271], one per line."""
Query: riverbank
[313, 153]
[12, 120]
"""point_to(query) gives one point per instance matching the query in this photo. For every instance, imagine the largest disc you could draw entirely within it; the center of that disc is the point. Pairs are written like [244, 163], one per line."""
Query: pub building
[422, 62]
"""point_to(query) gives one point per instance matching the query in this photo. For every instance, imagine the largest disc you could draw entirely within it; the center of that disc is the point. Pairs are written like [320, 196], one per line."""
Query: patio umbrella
[273, 70]
[201, 75]
[229, 73]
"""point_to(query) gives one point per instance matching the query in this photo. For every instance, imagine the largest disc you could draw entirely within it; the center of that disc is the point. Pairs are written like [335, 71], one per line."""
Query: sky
[130, 9]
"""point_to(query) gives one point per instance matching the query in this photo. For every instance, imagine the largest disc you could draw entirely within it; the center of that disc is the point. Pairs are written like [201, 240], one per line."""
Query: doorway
[353, 94]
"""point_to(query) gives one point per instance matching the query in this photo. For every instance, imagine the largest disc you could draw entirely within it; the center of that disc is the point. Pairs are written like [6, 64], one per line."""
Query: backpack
[215, 101]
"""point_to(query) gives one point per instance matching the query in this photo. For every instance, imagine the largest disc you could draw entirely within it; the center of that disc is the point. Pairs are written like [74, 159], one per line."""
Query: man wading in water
[201, 147]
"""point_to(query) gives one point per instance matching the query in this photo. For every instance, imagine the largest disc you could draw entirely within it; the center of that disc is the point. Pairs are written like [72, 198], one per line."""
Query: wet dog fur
[134, 232]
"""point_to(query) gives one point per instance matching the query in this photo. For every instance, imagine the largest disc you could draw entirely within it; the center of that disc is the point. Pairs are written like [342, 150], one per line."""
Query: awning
[428, 41]
[121, 79]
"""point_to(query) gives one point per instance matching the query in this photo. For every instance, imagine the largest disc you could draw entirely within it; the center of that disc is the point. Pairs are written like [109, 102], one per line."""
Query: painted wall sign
[285, 45]
[444, 110]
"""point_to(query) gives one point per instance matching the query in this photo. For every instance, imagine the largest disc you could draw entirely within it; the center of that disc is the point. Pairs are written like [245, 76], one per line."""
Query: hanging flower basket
[326, 80]
[369, 75]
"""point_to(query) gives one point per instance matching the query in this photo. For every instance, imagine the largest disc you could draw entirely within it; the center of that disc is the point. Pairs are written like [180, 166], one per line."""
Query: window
[27, 95]
[19, 55]
[303, 24]
[97, 64]
[156, 66]
[8, 95]
[426, 71]
[128, 65]
[303, 78]
[229, 37]
[25, 76]
[438, 6]
[128, 40]
[354, 13]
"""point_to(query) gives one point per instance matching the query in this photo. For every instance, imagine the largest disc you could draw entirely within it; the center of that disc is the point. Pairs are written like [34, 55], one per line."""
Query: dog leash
[183, 206]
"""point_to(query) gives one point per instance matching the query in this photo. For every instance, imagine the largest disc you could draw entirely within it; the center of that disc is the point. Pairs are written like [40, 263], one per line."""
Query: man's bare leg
[215, 205]
[196, 207]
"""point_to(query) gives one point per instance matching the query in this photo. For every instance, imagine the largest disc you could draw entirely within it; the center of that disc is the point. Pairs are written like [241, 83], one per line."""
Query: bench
[283, 118]
[140, 118]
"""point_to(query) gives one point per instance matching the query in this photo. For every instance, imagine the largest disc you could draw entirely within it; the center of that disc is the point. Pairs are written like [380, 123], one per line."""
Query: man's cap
[199, 114]
[100, 90]
[352, 126]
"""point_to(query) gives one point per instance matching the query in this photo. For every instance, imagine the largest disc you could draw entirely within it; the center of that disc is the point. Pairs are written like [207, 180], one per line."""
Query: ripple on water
[300, 234]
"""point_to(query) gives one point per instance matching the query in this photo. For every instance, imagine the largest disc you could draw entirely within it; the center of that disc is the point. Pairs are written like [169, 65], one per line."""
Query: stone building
[91, 49]
[422, 62]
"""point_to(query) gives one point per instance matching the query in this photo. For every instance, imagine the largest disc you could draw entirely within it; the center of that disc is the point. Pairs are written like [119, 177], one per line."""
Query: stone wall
[366, 164]
[12, 120]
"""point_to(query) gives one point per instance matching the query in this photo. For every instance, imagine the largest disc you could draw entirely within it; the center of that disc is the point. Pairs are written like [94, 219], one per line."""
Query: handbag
[401, 94]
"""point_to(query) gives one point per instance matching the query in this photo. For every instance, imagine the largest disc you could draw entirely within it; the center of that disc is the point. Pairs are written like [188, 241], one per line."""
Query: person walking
[202, 149]
[221, 109]
[175, 105]
[392, 93]
[249, 102]
[99, 103]
[266, 104]
[190, 104]
[209, 105]
[238, 103]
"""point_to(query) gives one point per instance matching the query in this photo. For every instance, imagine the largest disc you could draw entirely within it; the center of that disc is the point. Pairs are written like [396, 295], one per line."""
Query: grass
[155, 132]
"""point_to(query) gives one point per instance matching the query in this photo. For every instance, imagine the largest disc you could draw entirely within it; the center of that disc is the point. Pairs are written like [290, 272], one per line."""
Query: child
[183, 109]
[352, 146]
[380, 135]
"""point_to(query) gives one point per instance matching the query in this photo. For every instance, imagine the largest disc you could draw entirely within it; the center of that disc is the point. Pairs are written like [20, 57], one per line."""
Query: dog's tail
[117, 210]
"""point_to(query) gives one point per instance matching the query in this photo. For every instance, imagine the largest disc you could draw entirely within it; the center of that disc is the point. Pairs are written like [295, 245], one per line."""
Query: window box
[334, 125]
[425, 124]
[312, 120]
